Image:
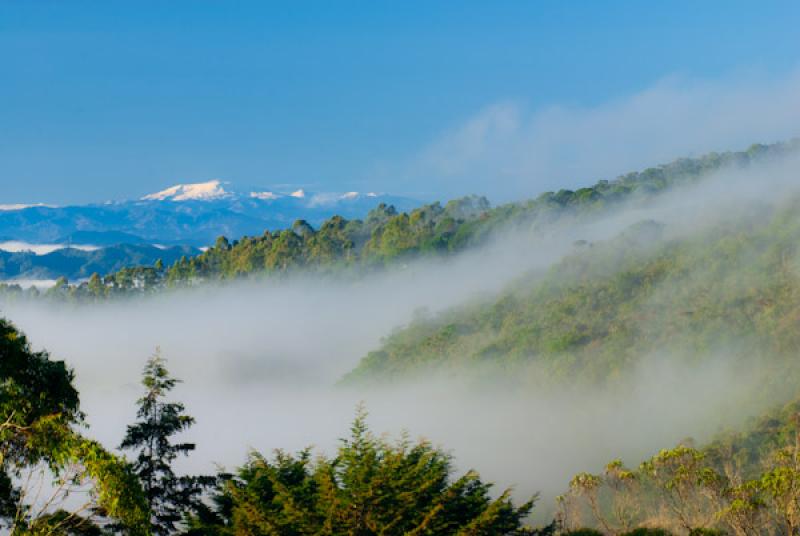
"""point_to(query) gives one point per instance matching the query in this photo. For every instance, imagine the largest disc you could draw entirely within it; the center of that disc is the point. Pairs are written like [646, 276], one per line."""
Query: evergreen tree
[168, 495]
[371, 487]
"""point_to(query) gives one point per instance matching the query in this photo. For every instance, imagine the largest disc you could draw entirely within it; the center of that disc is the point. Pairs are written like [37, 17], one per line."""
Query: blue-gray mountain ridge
[187, 214]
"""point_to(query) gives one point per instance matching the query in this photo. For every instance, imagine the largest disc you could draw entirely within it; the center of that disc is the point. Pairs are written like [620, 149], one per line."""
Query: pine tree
[372, 486]
[168, 495]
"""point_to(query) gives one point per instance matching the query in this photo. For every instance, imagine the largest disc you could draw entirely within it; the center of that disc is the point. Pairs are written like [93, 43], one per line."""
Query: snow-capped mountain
[201, 191]
[20, 206]
[217, 189]
[189, 213]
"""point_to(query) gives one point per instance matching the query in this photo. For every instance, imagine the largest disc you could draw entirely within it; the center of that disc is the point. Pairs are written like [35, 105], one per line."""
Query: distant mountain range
[76, 264]
[194, 214]
[45, 241]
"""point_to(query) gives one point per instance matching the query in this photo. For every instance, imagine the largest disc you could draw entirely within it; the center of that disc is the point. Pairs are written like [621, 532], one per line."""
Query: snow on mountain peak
[215, 190]
[23, 206]
[264, 196]
[199, 191]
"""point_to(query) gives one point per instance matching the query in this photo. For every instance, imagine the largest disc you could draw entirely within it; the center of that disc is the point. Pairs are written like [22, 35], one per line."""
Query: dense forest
[677, 290]
[731, 287]
[388, 238]
[417, 268]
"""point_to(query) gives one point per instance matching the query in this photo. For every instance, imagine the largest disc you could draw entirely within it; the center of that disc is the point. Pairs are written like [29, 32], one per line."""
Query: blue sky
[112, 100]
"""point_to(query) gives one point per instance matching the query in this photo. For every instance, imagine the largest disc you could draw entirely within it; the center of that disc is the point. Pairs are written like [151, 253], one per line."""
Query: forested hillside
[680, 290]
[389, 238]
[418, 268]
[733, 287]
[742, 483]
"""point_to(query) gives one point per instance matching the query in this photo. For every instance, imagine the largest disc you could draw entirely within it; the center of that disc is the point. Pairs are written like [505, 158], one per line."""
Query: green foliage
[386, 237]
[742, 483]
[169, 497]
[735, 286]
[371, 487]
[39, 409]
[732, 287]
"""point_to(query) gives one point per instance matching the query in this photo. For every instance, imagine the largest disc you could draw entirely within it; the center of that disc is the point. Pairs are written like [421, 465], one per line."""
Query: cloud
[507, 151]
[481, 138]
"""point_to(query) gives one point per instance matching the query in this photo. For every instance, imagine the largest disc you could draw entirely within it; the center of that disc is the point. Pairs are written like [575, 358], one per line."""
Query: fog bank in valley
[260, 360]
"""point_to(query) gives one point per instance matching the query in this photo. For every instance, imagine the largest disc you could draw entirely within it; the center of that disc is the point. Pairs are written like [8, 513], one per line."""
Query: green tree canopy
[39, 447]
[372, 486]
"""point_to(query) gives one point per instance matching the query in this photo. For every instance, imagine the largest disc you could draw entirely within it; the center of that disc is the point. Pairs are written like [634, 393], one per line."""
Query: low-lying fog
[260, 361]
[15, 246]
[259, 367]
